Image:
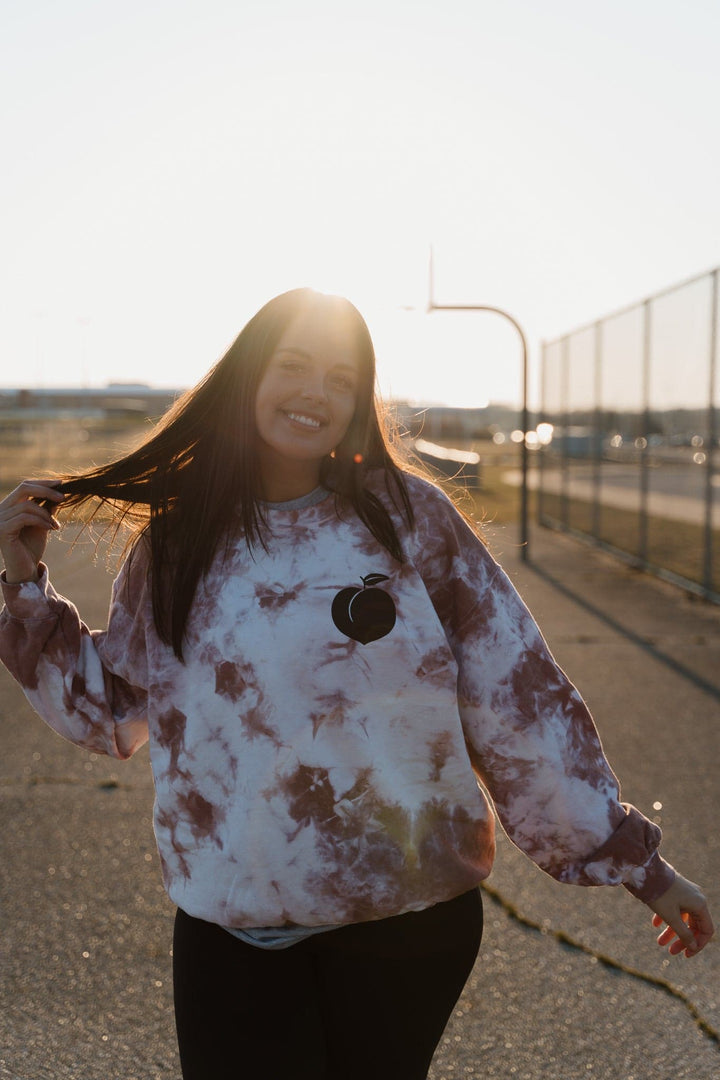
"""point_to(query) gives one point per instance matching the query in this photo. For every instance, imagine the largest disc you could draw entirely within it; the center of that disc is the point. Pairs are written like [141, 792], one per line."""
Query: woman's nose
[314, 388]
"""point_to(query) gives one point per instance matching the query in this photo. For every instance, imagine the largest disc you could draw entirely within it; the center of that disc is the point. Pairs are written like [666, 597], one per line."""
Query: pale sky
[169, 165]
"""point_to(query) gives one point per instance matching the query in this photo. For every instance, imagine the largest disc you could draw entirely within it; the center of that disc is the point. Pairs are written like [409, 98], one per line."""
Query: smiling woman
[305, 401]
[331, 671]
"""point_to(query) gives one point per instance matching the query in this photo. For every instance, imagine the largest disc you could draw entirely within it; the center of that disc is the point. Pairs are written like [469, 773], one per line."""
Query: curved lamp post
[432, 306]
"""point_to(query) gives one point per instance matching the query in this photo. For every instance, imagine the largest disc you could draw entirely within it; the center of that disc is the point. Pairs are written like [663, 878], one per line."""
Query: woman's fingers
[46, 490]
[684, 911]
[35, 517]
[689, 936]
[676, 943]
[30, 504]
[15, 517]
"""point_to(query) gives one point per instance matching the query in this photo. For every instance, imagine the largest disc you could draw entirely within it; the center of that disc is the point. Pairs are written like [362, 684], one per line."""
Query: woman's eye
[343, 382]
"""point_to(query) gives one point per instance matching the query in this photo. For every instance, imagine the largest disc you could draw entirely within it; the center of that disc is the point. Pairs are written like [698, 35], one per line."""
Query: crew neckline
[313, 498]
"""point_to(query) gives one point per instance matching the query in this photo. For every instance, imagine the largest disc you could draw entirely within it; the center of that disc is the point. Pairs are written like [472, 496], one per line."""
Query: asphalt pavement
[569, 982]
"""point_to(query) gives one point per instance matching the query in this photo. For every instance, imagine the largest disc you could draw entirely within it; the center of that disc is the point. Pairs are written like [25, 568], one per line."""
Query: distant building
[126, 399]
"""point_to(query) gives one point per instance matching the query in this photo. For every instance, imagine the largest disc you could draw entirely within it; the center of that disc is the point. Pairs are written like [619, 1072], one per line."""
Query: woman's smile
[307, 421]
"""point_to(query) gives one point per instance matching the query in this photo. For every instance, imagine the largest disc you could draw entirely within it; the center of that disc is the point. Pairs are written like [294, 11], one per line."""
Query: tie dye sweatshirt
[331, 747]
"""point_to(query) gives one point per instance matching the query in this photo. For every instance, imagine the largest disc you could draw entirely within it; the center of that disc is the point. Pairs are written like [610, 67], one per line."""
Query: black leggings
[366, 1002]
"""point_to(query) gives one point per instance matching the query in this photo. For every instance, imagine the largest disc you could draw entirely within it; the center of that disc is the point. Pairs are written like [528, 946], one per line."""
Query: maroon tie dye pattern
[302, 777]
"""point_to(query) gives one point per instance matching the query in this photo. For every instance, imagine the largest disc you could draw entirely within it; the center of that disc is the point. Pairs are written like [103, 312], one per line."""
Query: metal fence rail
[630, 450]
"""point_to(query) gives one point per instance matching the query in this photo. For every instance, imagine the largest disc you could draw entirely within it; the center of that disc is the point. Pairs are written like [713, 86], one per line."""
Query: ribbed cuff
[657, 877]
[27, 599]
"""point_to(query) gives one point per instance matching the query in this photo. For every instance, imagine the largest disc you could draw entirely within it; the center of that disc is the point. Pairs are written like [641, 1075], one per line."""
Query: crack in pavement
[607, 961]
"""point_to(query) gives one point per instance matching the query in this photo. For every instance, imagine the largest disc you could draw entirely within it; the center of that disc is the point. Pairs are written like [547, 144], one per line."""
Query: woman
[325, 659]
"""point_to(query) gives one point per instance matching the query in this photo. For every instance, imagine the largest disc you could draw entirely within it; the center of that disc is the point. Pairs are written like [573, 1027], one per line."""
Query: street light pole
[432, 306]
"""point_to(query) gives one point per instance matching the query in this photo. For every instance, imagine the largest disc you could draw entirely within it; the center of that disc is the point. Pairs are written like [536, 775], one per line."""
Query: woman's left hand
[684, 909]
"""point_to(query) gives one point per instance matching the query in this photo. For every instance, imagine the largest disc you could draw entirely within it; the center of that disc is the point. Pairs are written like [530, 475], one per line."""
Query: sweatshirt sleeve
[88, 685]
[530, 736]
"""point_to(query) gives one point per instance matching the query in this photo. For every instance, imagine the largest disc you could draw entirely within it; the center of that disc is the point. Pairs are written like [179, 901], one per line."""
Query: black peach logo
[365, 614]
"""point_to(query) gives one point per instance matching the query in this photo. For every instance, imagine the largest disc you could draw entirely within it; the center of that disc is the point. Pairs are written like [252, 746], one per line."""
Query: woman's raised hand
[24, 527]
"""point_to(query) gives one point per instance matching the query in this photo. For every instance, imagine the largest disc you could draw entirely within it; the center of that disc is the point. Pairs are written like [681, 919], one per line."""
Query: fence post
[644, 439]
[565, 413]
[540, 504]
[711, 440]
[597, 448]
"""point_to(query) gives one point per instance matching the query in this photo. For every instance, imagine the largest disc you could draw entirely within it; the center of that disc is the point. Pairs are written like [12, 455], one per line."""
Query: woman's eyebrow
[298, 352]
[308, 356]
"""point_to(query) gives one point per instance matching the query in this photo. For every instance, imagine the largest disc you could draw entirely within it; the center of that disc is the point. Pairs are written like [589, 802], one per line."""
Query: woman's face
[305, 402]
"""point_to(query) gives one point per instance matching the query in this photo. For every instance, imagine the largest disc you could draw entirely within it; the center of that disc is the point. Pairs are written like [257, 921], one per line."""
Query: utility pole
[525, 423]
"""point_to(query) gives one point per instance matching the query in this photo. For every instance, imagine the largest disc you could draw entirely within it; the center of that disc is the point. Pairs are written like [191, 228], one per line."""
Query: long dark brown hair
[193, 484]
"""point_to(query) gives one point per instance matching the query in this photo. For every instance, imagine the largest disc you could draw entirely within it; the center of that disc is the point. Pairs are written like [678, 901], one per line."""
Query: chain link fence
[629, 435]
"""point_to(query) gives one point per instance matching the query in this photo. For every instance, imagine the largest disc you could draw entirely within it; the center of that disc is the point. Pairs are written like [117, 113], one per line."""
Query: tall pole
[432, 306]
